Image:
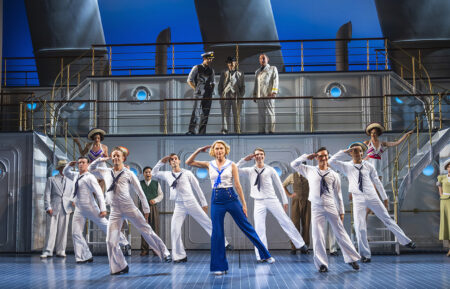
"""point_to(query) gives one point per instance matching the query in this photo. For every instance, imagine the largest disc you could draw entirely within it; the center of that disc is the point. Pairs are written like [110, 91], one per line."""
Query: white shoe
[45, 255]
[271, 260]
[219, 273]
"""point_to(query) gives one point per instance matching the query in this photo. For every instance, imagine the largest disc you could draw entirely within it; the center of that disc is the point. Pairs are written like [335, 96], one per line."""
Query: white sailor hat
[209, 54]
[360, 144]
[446, 163]
[375, 125]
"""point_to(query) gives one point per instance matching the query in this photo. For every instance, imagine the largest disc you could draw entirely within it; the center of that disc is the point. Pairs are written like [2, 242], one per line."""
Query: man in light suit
[265, 90]
[58, 191]
[231, 87]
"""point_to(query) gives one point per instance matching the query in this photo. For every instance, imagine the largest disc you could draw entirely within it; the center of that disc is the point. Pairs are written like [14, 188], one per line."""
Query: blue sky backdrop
[140, 21]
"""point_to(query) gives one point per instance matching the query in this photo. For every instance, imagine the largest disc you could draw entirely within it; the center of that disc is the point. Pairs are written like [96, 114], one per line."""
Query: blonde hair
[227, 148]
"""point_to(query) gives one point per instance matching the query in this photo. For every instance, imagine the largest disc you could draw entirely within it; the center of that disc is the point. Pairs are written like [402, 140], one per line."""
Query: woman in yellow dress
[444, 192]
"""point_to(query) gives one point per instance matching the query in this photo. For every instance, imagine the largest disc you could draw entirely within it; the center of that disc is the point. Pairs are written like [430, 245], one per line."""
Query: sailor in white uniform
[362, 177]
[263, 180]
[86, 185]
[120, 181]
[57, 194]
[326, 205]
[182, 184]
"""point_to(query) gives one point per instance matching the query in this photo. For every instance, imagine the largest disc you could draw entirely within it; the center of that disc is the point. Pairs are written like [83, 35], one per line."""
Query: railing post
[65, 136]
[173, 59]
[368, 55]
[376, 60]
[385, 55]
[73, 149]
[45, 117]
[413, 73]
[237, 56]
[385, 114]
[302, 60]
[440, 111]
[62, 72]
[20, 116]
[417, 127]
[93, 61]
[311, 116]
[32, 114]
[95, 114]
[68, 82]
[110, 60]
[25, 118]
[165, 116]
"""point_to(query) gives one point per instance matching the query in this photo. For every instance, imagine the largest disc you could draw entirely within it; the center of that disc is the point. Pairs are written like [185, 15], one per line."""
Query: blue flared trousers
[226, 200]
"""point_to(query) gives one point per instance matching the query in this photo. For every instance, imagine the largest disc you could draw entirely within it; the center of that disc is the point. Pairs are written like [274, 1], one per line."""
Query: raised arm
[68, 171]
[237, 185]
[298, 165]
[98, 171]
[156, 172]
[396, 143]
[336, 161]
[83, 151]
[242, 162]
[199, 164]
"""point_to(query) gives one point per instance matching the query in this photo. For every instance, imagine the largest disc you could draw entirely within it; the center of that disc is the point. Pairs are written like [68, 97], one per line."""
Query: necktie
[360, 178]
[258, 178]
[175, 182]
[114, 182]
[219, 180]
[323, 184]
[76, 186]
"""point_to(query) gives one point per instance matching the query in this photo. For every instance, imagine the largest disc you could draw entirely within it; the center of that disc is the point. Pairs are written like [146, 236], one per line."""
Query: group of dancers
[227, 196]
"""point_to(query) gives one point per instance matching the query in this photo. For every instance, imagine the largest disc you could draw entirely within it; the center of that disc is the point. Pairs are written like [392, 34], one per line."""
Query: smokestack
[344, 32]
[161, 51]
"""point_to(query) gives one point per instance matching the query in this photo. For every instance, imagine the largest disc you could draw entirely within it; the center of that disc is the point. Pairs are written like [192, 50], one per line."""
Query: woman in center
[223, 173]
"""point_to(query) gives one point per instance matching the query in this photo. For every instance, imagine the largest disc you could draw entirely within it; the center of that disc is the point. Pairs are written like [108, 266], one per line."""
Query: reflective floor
[405, 271]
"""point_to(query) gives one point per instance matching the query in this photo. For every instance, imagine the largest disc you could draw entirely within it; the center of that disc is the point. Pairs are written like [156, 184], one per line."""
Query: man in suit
[231, 87]
[58, 191]
[265, 90]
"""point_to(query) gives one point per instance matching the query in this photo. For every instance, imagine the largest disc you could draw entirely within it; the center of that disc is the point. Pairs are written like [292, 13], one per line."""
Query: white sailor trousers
[116, 259]
[182, 209]
[360, 203]
[320, 214]
[275, 207]
[56, 233]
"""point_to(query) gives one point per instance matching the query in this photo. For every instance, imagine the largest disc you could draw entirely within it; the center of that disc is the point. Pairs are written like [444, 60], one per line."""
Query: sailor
[231, 87]
[363, 179]
[182, 184]
[120, 181]
[201, 80]
[57, 194]
[263, 180]
[265, 91]
[86, 186]
[326, 205]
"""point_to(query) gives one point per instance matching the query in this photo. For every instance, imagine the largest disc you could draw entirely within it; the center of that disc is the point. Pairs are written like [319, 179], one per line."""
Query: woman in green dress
[444, 193]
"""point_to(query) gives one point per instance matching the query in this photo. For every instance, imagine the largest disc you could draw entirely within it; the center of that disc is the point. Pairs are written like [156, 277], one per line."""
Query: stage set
[213, 152]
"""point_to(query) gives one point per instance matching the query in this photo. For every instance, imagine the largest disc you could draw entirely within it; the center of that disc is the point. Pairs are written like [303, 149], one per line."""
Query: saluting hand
[165, 159]
[249, 157]
[205, 148]
[312, 156]
[72, 163]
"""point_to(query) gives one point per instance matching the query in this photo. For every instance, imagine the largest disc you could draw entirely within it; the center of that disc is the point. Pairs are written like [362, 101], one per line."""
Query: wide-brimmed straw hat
[61, 164]
[95, 131]
[375, 125]
[358, 143]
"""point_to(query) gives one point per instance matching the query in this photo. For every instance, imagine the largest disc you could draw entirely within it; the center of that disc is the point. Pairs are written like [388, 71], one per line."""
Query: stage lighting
[398, 100]
[31, 106]
[82, 106]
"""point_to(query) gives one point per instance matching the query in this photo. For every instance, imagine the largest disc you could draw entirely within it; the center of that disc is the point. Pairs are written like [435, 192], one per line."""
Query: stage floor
[405, 271]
